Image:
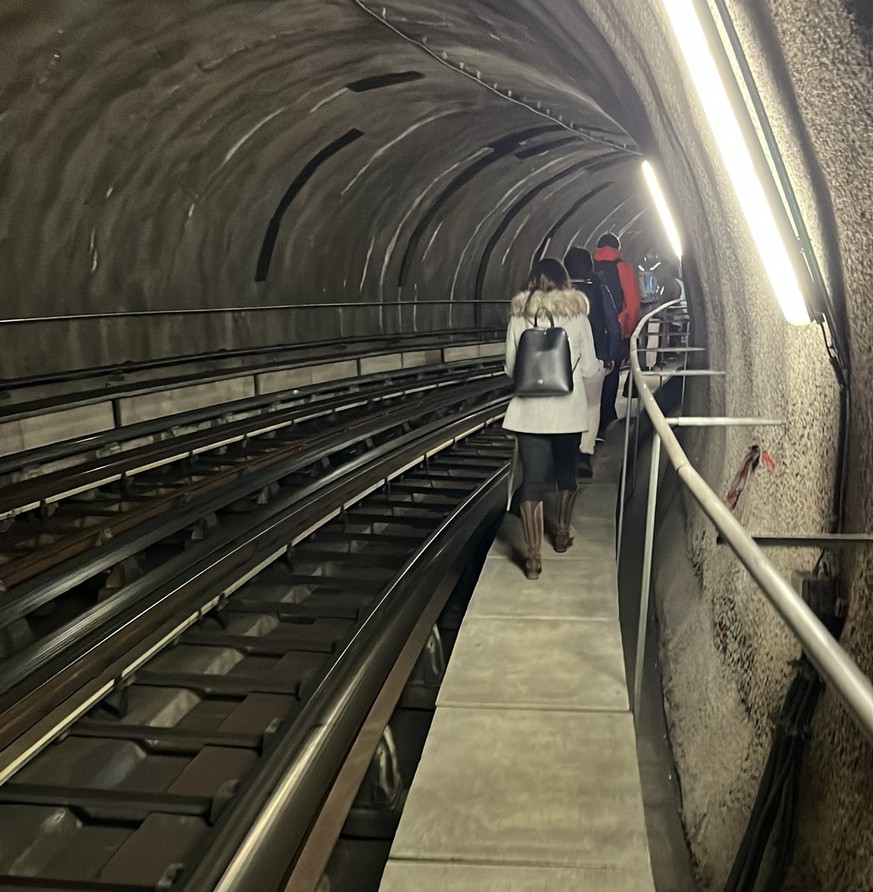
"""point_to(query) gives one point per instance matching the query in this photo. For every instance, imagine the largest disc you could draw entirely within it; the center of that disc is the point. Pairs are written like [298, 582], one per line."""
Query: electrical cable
[773, 822]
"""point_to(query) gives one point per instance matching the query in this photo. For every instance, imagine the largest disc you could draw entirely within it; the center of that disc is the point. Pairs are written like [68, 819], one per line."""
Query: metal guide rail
[63, 513]
[79, 583]
[251, 674]
[138, 423]
[20, 395]
[116, 406]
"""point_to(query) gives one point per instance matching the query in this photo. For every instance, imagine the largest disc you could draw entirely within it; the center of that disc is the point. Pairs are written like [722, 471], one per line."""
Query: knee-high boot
[532, 530]
[564, 534]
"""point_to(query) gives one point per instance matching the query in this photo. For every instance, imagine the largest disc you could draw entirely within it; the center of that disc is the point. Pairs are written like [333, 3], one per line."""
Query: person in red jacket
[621, 279]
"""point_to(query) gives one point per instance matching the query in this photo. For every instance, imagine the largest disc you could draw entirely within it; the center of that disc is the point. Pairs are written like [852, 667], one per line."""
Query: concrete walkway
[529, 779]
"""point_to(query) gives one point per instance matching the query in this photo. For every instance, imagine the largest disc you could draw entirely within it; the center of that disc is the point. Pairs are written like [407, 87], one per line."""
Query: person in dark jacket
[606, 330]
[621, 279]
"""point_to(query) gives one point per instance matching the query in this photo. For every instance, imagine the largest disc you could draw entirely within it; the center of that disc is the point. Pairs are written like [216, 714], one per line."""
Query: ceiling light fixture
[737, 159]
[663, 208]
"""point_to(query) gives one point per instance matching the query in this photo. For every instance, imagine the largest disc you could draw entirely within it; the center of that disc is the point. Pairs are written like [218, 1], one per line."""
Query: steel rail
[114, 653]
[266, 357]
[439, 489]
[116, 384]
[237, 410]
[26, 598]
[835, 665]
[262, 832]
[282, 411]
[203, 311]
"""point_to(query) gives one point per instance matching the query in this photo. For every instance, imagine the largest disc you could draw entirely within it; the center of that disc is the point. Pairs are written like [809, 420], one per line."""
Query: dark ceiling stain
[499, 149]
[589, 165]
[378, 81]
[300, 181]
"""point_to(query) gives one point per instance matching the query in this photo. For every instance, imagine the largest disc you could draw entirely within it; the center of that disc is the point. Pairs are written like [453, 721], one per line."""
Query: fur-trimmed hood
[568, 302]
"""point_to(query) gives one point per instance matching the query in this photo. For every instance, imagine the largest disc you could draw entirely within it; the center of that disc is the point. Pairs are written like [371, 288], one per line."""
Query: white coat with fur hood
[552, 414]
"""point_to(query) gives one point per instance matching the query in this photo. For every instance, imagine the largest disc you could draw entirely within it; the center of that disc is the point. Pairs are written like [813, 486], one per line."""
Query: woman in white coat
[549, 428]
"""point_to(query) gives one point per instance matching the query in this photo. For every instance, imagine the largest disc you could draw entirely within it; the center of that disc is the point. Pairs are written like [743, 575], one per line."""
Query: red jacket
[630, 313]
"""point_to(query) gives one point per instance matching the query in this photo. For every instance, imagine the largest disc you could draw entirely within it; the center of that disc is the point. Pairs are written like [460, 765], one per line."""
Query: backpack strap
[549, 316]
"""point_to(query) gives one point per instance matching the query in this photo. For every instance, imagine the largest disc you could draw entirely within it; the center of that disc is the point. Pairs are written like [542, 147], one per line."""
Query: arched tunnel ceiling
[235, 154]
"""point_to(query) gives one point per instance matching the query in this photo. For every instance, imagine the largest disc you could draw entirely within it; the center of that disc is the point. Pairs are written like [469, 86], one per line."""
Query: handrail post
[623, 488]
[645, 584]
[684, 369]
[636, 436]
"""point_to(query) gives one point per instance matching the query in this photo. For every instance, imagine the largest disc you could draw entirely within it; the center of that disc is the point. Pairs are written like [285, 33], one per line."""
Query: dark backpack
[606, 272]
[650, 289]
[613, 326]
[603, 316]
[543, 365]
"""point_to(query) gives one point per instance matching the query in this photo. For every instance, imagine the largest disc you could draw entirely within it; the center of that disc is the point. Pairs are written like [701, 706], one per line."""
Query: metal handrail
[833, 663]
[201, 311]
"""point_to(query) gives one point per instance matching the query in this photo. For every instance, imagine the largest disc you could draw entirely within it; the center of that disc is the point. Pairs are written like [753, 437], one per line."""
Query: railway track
[244, 662]
[75, 506]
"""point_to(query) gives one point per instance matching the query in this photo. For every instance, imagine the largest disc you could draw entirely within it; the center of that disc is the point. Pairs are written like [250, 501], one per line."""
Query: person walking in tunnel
[658, 285]
[606, 330]
[621, 279]
[549, 428]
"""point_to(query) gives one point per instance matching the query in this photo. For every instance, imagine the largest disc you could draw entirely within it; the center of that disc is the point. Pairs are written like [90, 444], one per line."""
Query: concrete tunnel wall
[231, 155]
[145, 151]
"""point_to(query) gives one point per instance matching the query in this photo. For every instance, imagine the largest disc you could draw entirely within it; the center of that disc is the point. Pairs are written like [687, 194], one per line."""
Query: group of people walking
[596, 300]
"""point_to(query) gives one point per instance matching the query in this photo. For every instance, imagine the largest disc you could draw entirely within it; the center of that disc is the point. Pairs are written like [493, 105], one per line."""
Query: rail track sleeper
[266, 629]
[257, 646]
[403, 512]
[173, 740]
[218, 685]
[462, 472]
[279, 578]
[288, 611]
[107, 805]
[419, 498]
[329, 534]
[479, 457]
[300, 630]
[369, 557]
[371, 516]
[339, 604]
[429, 486]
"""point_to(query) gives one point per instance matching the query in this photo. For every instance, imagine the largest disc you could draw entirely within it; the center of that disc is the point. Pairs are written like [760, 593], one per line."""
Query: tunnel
[181, 179]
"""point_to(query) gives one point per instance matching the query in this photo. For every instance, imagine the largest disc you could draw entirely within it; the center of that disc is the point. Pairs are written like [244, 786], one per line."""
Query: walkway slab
[525, 788]
[529, 780]
[524, 663]
[594, 533]
[565, 590]
[402, 876]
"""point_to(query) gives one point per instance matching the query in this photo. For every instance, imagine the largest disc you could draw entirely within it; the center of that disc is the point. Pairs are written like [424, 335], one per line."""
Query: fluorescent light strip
[663, 209]
[737, 159]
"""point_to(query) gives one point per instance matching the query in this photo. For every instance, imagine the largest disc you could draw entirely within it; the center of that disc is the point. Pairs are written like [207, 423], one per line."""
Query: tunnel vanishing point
[181, 178]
